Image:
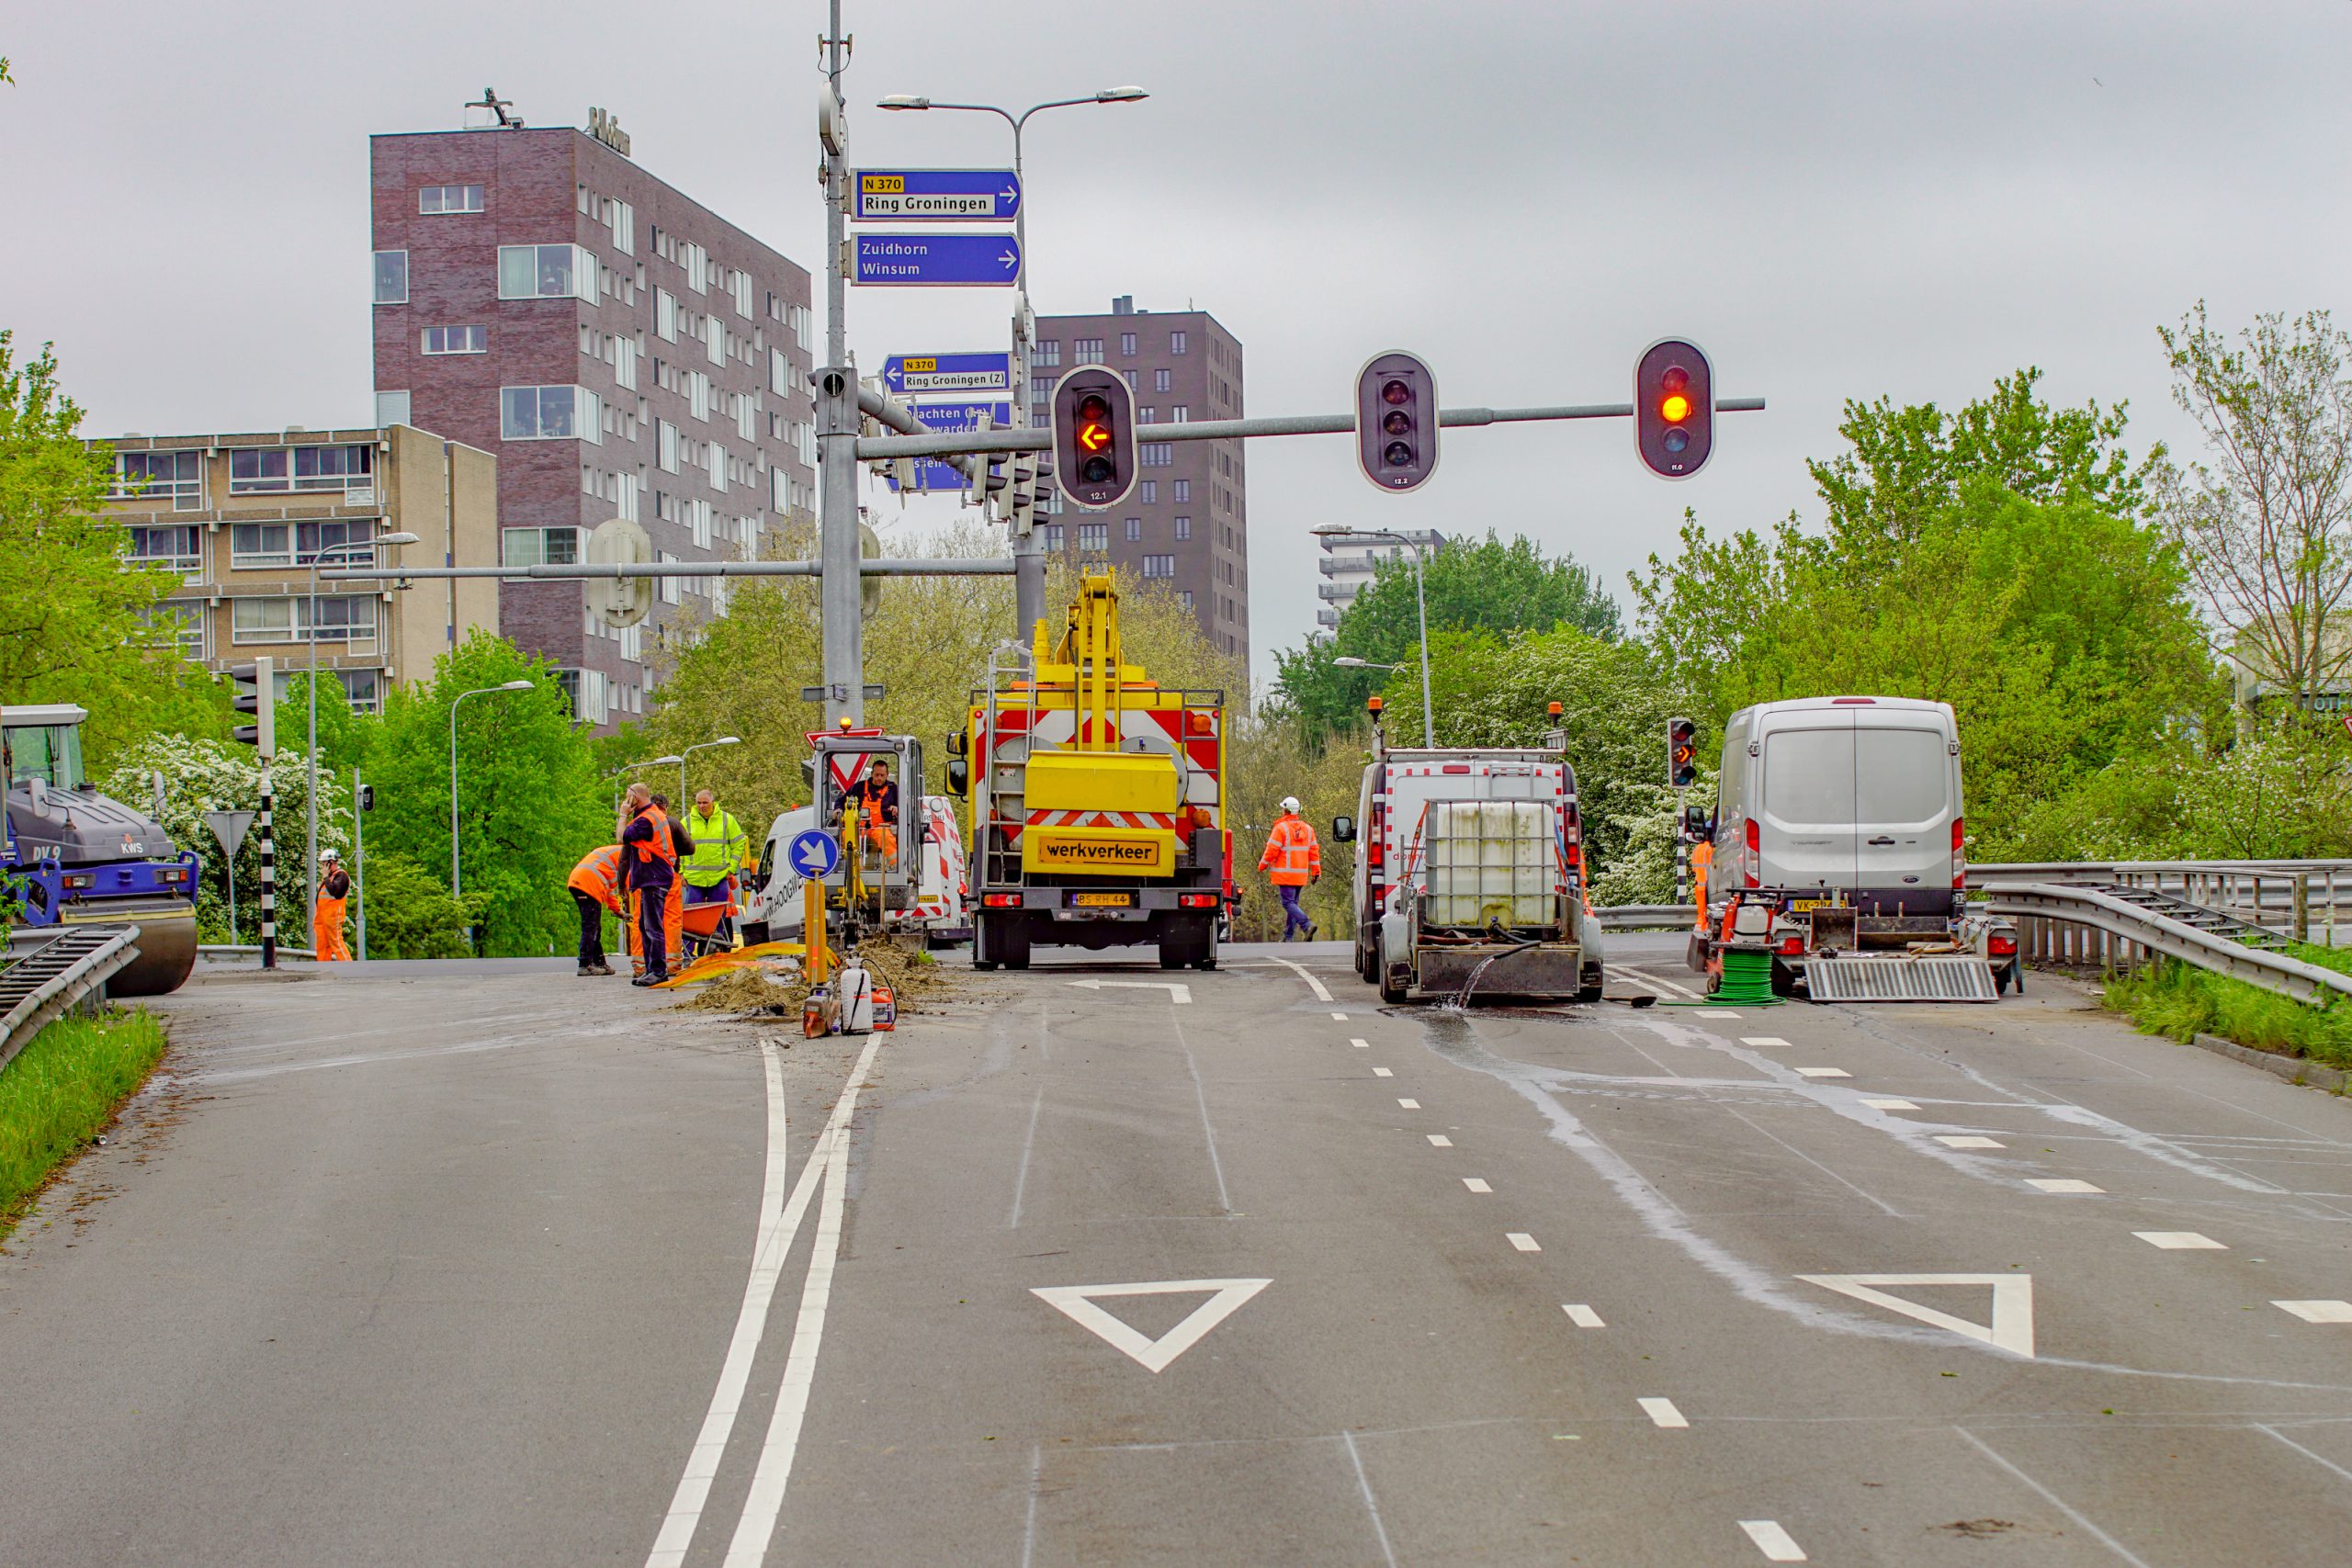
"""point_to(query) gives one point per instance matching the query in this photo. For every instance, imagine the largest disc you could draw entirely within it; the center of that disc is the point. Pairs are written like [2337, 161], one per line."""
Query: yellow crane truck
[1097, 801]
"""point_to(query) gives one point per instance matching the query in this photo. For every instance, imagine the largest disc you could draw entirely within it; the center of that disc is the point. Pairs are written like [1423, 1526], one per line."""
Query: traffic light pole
[842, 612]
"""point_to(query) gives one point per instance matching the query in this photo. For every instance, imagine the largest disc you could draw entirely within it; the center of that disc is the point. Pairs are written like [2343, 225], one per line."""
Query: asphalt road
[503, 1267]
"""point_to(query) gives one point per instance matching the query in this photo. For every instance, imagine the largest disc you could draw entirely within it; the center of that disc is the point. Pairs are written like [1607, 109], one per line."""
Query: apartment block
[625, 353]
[243, 518]
[1352, 561]
[1186, 522]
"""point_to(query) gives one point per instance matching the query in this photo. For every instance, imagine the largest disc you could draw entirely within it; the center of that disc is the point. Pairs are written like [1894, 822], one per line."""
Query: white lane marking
[1382, 1073]
[1522, 1240]
[1021, 1181]
[1678, 990]
[1177, 993]
[2060, 1184]
[2012, 1325]
[1889, 1105]
[1363, 1484]
[1409, 1104]
[1313, 983]
[1440, 1141]
[1201, 1096]
[1761, 1041]
[1361, 1045]
[1076, 1303]
[1968, 1141]
[1338, 1018]
[1029, 1527]
[756, 1527]
[1662, 1413]
[1775, 1543]
[2325, 1464]
[1476, 1184]
[1713, 1012]
[768, 1249]
[1582, 1316]
[2318, 1312]
[2051, 1498]
[1823, 1072]
[2181, 1241]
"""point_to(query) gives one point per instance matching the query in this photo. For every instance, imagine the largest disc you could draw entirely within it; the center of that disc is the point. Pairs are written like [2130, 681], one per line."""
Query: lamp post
[310, 845]
[455, 886]
[698, 745]
[649, 762]
[1420, 600]
[1028, 551]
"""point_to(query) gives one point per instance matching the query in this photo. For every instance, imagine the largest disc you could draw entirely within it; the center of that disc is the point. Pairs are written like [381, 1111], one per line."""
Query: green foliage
[411, 914]
[2180, 1002]
[345, 734]
[1270, 755]
[62, 1090]
[74, 623]
[528, 796]
[1485, 586]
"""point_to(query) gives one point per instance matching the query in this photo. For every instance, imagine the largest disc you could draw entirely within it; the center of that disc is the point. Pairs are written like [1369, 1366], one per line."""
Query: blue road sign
[813, 853]
[954, 415]
[937, 260]
[937, 196]
[920, 374]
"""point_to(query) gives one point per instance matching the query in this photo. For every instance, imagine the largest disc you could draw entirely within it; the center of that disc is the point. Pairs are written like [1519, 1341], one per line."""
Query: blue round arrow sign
[812, 853]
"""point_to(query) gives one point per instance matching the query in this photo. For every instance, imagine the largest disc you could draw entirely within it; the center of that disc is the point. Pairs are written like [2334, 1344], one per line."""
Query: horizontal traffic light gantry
[1396, 422]
[1674, 408]
[1094, 437]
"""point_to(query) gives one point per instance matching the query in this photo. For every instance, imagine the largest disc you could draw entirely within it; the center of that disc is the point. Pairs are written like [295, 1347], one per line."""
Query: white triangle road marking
[1077, 1302]
[1176, 993]
[2012, 1325]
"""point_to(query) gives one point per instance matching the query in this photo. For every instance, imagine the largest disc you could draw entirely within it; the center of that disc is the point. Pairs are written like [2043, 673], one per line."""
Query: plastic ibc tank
[1490, 860]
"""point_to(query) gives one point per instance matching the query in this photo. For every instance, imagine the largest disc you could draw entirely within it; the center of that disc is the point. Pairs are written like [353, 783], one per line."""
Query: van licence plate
[1803, 905]
[1101, 900]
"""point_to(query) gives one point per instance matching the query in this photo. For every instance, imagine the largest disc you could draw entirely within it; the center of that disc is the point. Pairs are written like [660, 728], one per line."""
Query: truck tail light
[1455, 768]
[1000, 900]
[1793, 944]
[1196, 900]
[1755, 853]
[79, 879]
[1959, 854]
[1573, 852]
[2002, 944]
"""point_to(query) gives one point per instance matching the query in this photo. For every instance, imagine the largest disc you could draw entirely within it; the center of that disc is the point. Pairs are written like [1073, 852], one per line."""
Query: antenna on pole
[494, 113]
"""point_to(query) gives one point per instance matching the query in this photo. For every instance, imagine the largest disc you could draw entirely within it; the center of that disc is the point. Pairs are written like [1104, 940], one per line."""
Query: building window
[1183, 411]
[182, 622]
[549, 413]
[624, 221]
[1050, 352]
[431, 199]
[457, 339]
[668, 441]
[1162, 380]
[1183, 528]
[177, 546]
[1147, 415]
[286, 618]
[1132, 380]
[154, 476]
[263, 470]
[1054, 533]
[1184, 597]
[717, 464]
[391, 277]
[1135, 530]
[1040, 388]
[1094, 535]
[1183, 490]
[392, 407]
[538, 547]
[584, 689]
[546, 272]
[1175, 343]
[669, 588]
[1156, 455]
[364, 689]
[1160, 566]
[254, 545]
[714, 338]
[1086, 351]
[1127, 344]
[666, 315]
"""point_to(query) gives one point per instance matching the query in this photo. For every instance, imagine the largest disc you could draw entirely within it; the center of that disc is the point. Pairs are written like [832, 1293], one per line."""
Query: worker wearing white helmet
[326, 916]
[1294, 859]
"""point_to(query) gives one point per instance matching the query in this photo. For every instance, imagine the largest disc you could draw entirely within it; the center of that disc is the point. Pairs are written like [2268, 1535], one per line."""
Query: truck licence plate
[1803, 906]
[1101, 900]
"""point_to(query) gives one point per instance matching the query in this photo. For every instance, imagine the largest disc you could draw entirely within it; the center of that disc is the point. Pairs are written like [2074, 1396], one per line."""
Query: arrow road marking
[1178, 994]
[2012, 1325]
[1076, 1303]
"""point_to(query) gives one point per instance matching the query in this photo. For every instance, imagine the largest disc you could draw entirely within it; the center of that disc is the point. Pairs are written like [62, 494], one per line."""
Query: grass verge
[2180, 1002]
[60, 1092]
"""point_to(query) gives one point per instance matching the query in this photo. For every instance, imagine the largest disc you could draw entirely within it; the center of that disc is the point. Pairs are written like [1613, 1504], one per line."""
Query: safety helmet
[1290, 804]
[326, 855]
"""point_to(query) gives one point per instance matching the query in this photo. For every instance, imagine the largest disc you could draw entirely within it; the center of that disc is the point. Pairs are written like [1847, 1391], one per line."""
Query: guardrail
[2042, 906]
[239, 950]
[1645, 917]
[2310, 901]
[66, 969]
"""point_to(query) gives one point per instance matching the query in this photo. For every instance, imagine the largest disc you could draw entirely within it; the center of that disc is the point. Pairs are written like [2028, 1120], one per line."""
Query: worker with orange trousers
[595, 886]
[326, 916]
[652, 875]
[1292, 859]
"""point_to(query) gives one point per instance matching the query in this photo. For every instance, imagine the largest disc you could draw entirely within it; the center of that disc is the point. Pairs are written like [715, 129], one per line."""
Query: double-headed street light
[674, 759]
[310, 847]
[455, 887]
[1421, 599]
[698, 745]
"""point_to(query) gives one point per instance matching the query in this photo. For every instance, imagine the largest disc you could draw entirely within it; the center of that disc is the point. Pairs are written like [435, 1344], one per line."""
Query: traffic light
[1674, 408]
[1094, 437]
[1396, 422]
[1681, 752]
[254, 686]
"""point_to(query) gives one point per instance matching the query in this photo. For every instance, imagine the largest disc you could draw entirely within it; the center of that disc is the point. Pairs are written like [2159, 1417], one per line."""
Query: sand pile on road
[778, 989]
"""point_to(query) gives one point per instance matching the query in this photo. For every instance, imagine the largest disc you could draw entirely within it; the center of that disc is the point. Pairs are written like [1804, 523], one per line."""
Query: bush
[410, 915]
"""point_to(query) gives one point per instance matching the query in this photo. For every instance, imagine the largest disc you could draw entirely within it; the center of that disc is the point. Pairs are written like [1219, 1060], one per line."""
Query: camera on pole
[1674, 408]
[1396, 422]
[1094, 437]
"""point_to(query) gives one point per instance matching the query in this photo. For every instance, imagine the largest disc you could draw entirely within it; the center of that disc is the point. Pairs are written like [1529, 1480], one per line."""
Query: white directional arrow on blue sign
[813, 854]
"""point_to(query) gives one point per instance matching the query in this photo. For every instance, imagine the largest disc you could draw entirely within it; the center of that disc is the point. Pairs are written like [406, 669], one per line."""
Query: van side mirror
[959, 744]
[1343, 830]
[959, 776]
[1695, 825]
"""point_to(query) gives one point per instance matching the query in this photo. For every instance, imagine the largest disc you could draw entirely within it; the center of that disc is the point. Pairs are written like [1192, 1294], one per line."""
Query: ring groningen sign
[936, 196]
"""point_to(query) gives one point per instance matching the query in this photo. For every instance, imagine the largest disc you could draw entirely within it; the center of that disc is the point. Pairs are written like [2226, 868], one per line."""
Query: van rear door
[1903, 805]
[1805, 813]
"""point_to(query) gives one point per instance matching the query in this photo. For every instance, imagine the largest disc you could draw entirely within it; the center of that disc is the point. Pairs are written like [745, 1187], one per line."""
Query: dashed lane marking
[1476, 1184]
[1522, 1240]
[1968, 1141]
[1889, 1105]
[1713, 1012]
[1361, 1045]
[2318, 1312]
[1382, 1073]
[1775, 1543]
[1440, 1141]
[1824, 1072]
[1338, 1018]
[1314, 985]
[1408, 1105]
[2060, 1184]
[1662, 1413]
[1761, 1041]
[1582, 1316]
[2181, 1241]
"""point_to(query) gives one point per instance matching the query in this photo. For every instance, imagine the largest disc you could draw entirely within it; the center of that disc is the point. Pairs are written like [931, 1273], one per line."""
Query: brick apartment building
[622, 351]
[1186, 522]
[242, 518]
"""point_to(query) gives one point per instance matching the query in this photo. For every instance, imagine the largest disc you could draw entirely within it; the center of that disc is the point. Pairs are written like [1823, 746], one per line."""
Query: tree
[74, 623]
[2267, 529]
[1270, 754]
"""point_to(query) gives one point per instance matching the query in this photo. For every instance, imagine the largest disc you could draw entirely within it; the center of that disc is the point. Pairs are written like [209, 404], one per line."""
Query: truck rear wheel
[1393, 985]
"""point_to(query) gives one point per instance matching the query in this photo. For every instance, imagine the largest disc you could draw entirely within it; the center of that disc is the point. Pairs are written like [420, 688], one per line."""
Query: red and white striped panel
[1162, 819]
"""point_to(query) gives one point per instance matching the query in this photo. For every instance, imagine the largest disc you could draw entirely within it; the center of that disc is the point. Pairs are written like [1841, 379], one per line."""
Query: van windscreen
[1901, 775]
[1809, 776]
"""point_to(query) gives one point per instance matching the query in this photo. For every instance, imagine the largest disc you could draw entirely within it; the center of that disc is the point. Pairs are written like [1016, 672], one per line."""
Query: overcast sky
[1835, 201]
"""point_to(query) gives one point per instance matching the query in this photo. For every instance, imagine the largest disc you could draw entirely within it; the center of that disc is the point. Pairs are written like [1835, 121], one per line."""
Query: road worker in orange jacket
[596, 887]
[1294, 859]
[326, 917]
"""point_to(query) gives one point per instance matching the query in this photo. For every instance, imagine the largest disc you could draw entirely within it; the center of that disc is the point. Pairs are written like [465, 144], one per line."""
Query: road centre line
[2181, 1241]
[1314, 985]
[1522, 1241]
[1582, 1316]
[1775, 1543]
[1662, 1413]
[1476, 1184]
[2051, 1498]
[1440, 1141]
[756, 1527]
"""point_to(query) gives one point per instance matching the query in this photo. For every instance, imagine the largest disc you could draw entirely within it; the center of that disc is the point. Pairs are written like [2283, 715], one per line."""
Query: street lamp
[1029, 578]
[698, 745]
[649, 762]
[1421, 599]
[1345, 662]
[311, 846]
[455, 888]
